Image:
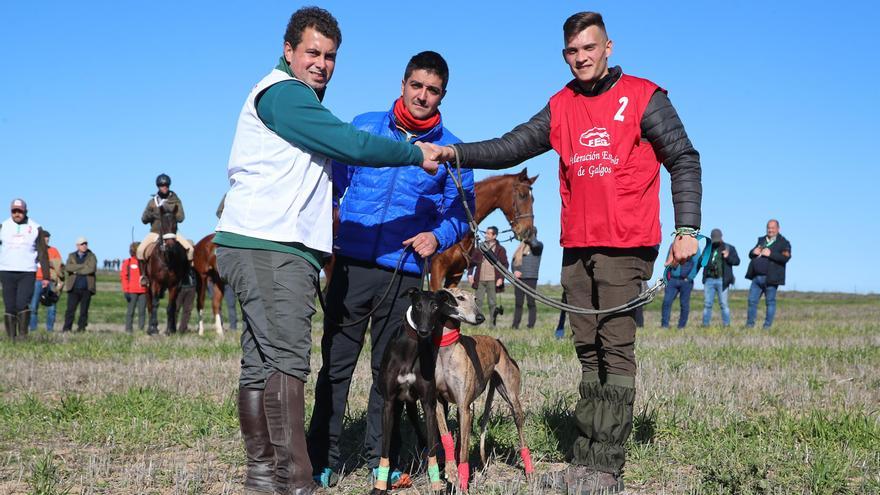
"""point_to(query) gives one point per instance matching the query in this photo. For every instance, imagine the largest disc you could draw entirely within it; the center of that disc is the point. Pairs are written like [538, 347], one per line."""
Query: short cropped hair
[312, 17]
[428, 61]
[494, 230]
[580, 21]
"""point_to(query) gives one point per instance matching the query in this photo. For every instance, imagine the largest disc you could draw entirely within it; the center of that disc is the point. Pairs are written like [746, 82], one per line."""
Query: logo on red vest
[596, 137]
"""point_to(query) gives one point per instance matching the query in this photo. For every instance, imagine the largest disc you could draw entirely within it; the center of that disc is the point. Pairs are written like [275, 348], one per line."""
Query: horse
[205, 264]
[166, 267]
[513, 194]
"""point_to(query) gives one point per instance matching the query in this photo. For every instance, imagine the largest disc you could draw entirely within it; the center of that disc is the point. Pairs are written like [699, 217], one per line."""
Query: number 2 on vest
[624, 101]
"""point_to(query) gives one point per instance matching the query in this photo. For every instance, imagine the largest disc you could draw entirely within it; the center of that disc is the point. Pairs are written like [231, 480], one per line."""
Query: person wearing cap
[54, 278]
[718, 277]
[22, 244]
[81, 267]
[168, 199]
[767, 272]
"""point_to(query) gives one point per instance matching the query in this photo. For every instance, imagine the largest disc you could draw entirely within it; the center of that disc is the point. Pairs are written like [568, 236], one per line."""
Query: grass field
[791, 410]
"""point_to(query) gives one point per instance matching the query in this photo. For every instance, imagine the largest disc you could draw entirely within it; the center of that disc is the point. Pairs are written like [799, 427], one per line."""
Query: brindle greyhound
[465, 365]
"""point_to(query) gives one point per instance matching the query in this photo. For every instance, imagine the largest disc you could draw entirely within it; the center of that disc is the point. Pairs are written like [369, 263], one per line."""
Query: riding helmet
[163, 180]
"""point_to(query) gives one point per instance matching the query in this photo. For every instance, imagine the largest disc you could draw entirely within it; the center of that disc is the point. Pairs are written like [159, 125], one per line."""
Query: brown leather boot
[11, 323]
[259, 450]
[24, 319]
[284, 403]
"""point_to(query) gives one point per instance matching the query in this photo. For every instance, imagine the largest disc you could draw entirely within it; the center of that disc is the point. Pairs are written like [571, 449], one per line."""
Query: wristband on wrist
[686, 231]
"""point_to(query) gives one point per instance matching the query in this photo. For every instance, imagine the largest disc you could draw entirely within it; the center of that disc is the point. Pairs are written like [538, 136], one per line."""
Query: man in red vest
[611, 131]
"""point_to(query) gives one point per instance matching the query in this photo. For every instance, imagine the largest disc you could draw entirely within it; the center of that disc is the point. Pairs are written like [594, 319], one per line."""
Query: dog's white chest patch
[407, 379]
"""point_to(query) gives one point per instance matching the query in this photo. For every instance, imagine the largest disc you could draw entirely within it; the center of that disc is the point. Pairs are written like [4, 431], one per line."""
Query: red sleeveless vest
[609, 178]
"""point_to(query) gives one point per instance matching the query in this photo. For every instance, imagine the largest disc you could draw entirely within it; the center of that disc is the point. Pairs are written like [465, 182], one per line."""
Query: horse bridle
[516, 215]
[162, 234]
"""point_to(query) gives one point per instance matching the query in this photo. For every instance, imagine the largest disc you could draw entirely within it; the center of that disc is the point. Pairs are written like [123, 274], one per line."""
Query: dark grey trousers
[136, 303]
[276, 292]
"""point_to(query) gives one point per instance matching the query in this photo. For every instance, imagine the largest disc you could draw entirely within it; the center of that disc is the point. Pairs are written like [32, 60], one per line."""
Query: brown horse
[205, 264]
[513, 194]
[166, 267]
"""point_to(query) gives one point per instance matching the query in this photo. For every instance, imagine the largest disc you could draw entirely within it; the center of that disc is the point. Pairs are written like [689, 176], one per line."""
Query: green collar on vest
[283, 67]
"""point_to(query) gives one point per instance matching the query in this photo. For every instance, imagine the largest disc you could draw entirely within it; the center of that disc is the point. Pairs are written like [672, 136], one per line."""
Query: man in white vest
[22, 245]
[273, 236]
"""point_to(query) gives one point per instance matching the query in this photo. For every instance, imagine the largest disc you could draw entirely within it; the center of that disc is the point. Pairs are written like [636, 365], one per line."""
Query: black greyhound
[407, 375]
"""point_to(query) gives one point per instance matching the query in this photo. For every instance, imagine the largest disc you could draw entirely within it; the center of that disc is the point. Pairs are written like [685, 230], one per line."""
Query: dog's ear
[410, 292]
[449, 303]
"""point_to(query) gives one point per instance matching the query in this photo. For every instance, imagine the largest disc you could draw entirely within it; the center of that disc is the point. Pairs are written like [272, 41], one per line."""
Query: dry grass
[719, 410]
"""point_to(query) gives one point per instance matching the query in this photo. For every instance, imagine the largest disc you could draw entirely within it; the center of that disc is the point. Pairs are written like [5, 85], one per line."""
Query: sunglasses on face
[18, 211]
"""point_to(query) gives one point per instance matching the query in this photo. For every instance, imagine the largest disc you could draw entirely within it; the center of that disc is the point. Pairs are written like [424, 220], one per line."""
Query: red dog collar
[448, 339]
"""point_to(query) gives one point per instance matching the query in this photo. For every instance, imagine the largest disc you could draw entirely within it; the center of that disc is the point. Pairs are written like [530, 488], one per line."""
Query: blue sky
[778, 97]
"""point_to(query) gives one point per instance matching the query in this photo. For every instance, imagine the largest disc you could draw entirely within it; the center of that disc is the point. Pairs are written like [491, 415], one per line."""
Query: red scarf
[406, 120]
[448, 339]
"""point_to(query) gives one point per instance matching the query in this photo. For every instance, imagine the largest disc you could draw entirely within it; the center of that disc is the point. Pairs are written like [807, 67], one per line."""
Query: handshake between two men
[434, 155]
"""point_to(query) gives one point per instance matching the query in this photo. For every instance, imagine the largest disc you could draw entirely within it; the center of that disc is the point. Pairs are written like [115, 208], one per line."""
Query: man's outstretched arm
[525, 141]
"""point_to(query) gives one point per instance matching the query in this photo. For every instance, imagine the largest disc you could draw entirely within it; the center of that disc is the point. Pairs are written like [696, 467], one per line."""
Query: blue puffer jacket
[382, 207]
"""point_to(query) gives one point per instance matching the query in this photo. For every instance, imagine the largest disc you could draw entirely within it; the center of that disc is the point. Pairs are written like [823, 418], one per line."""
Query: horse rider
[167, 198]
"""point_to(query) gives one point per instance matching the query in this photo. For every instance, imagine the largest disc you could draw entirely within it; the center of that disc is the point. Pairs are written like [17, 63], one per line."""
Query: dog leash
[642, 299]
[372, 311]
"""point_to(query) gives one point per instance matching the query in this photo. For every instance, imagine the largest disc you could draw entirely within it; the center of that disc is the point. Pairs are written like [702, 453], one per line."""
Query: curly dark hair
[428, 61]
[314, 17]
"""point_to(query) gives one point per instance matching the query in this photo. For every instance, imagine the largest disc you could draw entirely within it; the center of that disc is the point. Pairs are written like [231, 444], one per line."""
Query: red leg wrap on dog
[527, 459]
[448, 446]
[464, 475]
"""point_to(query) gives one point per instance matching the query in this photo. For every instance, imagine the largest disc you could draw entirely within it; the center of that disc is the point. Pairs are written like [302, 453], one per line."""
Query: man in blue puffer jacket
[384, 214]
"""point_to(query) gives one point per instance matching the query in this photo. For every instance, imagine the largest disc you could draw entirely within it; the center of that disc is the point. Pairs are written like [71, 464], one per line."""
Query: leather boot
[142, 267]
[255, 432]
[11, 323]
[24, 319]
[284, 403]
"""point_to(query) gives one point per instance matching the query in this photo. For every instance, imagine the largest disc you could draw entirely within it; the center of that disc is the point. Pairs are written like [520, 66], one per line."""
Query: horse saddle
[153, 245]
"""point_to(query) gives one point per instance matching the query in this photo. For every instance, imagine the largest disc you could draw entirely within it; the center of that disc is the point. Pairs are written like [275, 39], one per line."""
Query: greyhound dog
[465, 365]
[406, 375]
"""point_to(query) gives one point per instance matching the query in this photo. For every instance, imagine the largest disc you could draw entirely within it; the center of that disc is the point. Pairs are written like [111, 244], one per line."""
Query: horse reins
[643, 298]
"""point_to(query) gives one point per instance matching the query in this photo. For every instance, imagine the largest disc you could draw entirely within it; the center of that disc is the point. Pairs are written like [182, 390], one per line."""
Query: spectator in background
[526, 263]
[21, 246]
[135, 293]
[55, 271]
[718, 277]
[560, 325]
[767, 272]
[185, 297]
[681, 282]
[484, 277]
[79, 284]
